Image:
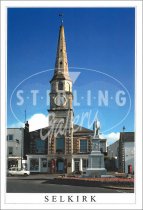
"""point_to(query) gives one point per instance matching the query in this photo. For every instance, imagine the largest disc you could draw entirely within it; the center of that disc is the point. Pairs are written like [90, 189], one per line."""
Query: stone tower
[61, 110]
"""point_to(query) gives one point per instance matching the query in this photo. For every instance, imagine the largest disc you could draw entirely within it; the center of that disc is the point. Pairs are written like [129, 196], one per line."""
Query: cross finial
[61, 15]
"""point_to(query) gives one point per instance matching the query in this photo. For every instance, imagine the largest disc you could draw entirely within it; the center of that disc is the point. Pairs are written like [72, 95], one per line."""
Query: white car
[16, 171]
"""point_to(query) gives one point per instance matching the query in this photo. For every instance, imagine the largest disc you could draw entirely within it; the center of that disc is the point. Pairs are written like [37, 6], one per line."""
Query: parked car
[16, 171]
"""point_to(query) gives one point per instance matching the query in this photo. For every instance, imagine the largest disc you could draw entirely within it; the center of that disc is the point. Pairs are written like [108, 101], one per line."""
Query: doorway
[60, 165]
[44, 165]
[76, 166]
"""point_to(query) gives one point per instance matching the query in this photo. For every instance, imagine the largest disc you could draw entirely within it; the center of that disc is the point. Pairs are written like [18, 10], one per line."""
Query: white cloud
[111, 137]
[38, 121]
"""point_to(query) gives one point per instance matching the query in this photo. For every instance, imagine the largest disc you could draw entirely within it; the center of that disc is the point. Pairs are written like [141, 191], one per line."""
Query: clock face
[60, 100]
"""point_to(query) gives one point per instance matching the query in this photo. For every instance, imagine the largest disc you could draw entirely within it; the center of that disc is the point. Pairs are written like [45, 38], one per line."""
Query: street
[25, 185]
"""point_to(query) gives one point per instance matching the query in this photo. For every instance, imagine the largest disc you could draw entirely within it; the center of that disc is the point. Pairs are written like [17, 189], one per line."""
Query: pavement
[48, 177]
[15, 185]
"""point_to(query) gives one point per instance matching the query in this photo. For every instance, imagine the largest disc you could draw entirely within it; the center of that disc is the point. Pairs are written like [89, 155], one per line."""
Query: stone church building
[66, 146]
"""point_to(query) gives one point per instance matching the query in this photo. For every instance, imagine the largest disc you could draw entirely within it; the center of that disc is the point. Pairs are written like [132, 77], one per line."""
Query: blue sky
[96, 38]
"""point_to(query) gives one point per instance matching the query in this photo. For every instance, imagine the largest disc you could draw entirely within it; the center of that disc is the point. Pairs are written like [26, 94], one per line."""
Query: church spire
[61, 65]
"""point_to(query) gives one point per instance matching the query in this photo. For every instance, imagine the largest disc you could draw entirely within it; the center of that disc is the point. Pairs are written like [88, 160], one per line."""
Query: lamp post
[21, 154]
[22, 142]
[18, 142]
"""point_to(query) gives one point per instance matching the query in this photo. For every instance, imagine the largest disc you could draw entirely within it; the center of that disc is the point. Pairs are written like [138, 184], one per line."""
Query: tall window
[60, 145]
[44, 162]
[10, 150]
[34, 164]
[101, 150]
[83, 146]
[69, 87]
[60, 86]
[40, 146]
[10, 137]
[84, 163]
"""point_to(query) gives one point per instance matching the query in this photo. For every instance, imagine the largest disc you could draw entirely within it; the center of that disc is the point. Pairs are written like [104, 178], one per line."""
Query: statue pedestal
[96, 166]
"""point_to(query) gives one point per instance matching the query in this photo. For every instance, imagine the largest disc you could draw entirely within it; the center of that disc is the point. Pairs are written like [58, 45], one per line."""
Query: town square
[63, 148]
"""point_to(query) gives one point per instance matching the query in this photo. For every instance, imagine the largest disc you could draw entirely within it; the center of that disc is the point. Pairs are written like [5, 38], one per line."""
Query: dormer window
[60, 86]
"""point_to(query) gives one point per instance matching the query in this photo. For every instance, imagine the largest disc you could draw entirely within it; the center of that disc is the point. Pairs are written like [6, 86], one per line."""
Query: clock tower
[61, 97]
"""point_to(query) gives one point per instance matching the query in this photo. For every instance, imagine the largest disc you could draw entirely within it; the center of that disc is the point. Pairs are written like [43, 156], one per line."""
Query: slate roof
[80, 129]
[77, 129]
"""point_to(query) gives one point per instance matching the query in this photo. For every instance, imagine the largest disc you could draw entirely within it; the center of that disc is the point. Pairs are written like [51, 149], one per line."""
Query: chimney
[27, 126]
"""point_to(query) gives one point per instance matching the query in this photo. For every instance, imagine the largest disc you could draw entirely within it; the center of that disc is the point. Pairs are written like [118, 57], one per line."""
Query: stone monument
[96, 166]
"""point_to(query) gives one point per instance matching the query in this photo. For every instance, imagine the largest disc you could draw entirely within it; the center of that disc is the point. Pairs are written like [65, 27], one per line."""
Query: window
[83, 146]
[34, 164]
[60, 86]
[12, 163]
[60, 145]
[44, 162]
[10, 150]
[38, 146]
[10, 137]
[68, 87]
[84, 163]
[101, 150]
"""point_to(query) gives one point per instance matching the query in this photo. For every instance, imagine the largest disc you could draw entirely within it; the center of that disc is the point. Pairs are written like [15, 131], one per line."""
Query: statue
[96, 166]
[95, 146]
[96, 128]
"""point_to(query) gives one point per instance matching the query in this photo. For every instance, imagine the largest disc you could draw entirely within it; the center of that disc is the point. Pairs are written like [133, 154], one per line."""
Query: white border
[123, 200]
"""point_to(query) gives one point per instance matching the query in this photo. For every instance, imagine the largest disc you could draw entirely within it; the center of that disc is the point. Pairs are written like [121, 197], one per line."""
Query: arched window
[60, 86]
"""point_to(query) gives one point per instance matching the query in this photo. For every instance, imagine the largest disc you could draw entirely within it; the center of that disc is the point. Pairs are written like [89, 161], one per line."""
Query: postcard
[71, 104]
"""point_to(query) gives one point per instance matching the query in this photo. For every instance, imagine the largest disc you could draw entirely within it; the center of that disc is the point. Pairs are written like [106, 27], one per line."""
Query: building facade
[15, 138]
[126, 151]
[62, 147]
[39, 160]
[113, 156]
[122, 152]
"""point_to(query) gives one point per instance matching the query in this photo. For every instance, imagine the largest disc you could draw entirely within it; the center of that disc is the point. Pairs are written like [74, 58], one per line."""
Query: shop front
[46, 164]
[14, 162]
[37, 163]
